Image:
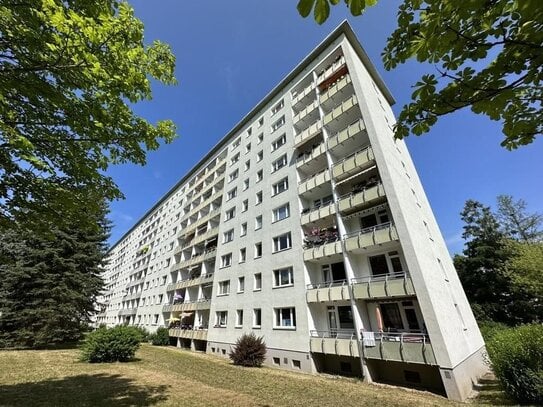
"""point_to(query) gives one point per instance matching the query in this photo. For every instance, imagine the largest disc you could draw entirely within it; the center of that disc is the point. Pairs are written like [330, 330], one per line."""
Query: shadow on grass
[495, 397]
[83, 390]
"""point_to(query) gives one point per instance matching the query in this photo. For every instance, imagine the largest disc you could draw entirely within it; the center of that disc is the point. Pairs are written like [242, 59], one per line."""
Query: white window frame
[277, 242]
[280, 163]
[224, 288]
[279, 142]
[279, 320]
[228, 236]
[221, 319]
[257, 278]
[241, 284]
[283, 183]
[257, 311]
[239, 318]
[226, 260]
[258, 244]
[276, 213]
[243, 255]
[279, 273]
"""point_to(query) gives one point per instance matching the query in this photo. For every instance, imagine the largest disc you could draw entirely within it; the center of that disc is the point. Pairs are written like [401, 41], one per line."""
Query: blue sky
[230, 54]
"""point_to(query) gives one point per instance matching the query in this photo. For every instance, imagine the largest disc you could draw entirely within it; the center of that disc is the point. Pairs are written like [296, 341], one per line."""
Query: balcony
[209, 254]
[304, 96]
[348, 133]
[332, 70]
[358, 199]
[133, 296]
[206, 278]
[315, 214]
[344, 107]
[383, 286]
[398, 347]
[312, 182]
[354, 163]
[307, 134]
[305, 159]
[135, 282]
[198, 334]
[316, 252]
[127, 311]
[307, 115]
[204, 219]
[200, 304]
[375, 235]
[341, 342]
[325, 292]
[337, 90]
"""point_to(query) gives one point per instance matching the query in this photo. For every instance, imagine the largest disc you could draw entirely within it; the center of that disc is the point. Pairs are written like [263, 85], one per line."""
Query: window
[278, 142]
[247, 165]
[243, 231]
[246, 184]
[257, 282]
[236, 143]
[259, 175]
[261, 122]
[257, 318]
[258, 250]
[258, 197]
[259, 156]
[249, 131]
[241, 284]
[224, 287]
[282, 242]
[234, 159]
[239, 318]
[228, 236]
[285, 317]
[281, 213]
[242, 255]
[278, 107]
[258, 222]
[230, 213]
[279, 163]
[280, 186]
[278, 124]
[260, 138]
[233, 175]
[248, 148]
[232, 194]
[283, 277]
[226, 260]
[245, 205]
[221, 318]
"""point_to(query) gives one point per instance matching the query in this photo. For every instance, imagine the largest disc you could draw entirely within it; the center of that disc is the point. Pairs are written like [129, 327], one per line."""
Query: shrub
[110, 345]
[491, 328]
[517, 359]
[142, 333]
[161, 337]
[250, 350]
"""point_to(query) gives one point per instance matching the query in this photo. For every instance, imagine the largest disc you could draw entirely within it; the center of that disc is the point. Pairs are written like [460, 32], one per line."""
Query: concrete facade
[308, 225]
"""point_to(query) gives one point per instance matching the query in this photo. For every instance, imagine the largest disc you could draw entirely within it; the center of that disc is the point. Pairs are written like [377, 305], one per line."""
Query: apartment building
[306, 224]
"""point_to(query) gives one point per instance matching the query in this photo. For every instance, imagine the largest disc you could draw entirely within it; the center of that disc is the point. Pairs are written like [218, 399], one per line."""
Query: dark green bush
[491, 328]
[250, 350]
[111, 345]
[141, 332]
[161, 337]
[517, 359]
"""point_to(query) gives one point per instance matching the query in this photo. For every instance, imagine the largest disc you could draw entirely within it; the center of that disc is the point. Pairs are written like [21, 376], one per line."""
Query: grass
[171, 377]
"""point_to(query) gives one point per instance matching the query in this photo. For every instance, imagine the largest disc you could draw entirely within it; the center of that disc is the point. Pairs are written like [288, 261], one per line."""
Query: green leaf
[322, 11]
[305, 6]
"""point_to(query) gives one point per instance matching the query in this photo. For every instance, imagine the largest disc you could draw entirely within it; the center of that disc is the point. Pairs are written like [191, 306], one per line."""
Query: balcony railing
[321, 212]
[305, 112]
[329, 291]
[127, 311]
[361, 196]
[309, 183]
[340, 84]
[203, 303]
[339, 110]
[379, 234]
[399, 347]
[353, 163]
[189, 282]
[198, 334]
[348, 132]
[300, 96]
[331, 69]
[383, 286]
[340, 342]
[307, 134]
[308, 156]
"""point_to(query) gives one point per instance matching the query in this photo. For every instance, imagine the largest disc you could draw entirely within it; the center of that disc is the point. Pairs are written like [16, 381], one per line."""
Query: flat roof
[343, 28]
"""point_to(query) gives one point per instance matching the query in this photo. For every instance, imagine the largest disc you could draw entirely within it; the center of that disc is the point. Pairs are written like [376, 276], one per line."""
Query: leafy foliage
[118, 344]
[249, 350]
[487, 56]
[517, 360]
[68, 72]
[50, 278]
[161, 337]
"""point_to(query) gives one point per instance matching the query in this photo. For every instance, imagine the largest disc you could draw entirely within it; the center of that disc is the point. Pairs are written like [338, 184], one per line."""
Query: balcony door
[402, 316]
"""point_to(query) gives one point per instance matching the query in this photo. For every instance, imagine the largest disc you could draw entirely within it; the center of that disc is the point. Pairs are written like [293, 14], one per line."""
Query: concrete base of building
[459, 381]
[282, 358]
[338, 365]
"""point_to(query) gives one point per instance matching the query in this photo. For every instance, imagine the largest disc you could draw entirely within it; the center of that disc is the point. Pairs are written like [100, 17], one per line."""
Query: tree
[69, 71]
[481, 267]
[516, 222]
[50, 278]
[487, 54]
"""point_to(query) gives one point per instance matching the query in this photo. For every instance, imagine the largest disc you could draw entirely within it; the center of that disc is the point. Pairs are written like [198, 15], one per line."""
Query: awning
[173, 319]
[186, 314]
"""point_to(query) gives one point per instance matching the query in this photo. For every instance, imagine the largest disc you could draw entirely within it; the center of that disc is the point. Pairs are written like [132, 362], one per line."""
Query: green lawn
[171, 377]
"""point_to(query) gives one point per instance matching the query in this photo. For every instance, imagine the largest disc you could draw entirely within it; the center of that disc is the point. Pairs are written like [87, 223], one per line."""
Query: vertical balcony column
[357, 318]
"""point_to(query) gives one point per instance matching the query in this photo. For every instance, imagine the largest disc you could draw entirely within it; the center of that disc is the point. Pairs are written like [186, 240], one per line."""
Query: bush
[250, 350]
[161, 337]
[142, 333]
[111, 345]
[490, 328]
[517, 359]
